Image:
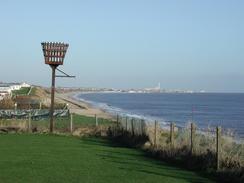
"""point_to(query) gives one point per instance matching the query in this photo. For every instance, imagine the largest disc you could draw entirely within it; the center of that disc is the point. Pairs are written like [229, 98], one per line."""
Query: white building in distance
[7, 88]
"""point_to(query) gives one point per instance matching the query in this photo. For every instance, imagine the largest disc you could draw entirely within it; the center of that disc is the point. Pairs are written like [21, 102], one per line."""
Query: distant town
[6, 89]
[156, 89]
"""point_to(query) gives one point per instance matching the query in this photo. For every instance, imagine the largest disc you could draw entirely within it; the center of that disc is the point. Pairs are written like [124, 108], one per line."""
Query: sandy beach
[80, 107]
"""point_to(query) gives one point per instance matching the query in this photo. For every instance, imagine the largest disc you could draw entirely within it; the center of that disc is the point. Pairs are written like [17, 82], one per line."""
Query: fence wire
[190, 139]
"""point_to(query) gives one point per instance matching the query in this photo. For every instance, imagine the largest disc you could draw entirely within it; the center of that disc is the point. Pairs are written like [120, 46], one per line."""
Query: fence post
[40, 105]
[126, 120]
[132, 127]
[172, 126]
[71, 122]
[192, 137]
[96, 120]
[142, 127]
[29, 123]
[15, 106]
[155, 133]
[117, 120]
[218, 141]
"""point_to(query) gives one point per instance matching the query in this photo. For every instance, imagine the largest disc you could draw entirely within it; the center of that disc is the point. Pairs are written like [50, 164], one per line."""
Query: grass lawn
[21, 91]
[50, 158]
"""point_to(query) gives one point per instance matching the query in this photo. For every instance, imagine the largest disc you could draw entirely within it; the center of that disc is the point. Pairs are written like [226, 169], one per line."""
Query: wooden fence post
[29, 123]
[132, 127]
[142, 126]
[192, 137]
[172, 126]
[71, 123]
[15, 106]
[96, 120]
[117, 120]
[155, 133]
[218, 146]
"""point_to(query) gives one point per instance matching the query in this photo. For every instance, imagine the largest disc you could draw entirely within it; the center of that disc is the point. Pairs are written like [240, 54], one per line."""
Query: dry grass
[91, 131]
[7, 103]
[22, 124]
[203, 156]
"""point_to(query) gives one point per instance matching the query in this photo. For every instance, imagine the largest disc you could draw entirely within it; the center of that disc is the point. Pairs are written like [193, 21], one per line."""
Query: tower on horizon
[159, 86]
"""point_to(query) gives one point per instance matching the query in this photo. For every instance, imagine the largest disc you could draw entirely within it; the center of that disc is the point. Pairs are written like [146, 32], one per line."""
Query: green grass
[84, 120]
[33, 91]
[63, 123]
[21, 91]
[49, 158]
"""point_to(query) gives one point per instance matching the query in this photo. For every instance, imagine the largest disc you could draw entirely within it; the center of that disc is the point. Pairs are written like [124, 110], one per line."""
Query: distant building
[157, 89]
[25, 85]
[7, 88]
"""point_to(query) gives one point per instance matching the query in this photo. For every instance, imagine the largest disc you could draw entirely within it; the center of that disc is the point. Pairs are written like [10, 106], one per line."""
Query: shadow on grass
[139, 161]
[94, 141]
[149, 166]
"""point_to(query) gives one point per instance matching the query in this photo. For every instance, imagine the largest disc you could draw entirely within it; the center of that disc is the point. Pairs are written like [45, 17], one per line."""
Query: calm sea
[204, 109]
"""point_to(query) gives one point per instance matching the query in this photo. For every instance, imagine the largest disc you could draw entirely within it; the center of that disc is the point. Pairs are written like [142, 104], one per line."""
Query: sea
[204, 109]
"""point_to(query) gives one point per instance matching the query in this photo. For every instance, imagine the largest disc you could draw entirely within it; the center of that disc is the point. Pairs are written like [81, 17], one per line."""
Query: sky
[183, 44]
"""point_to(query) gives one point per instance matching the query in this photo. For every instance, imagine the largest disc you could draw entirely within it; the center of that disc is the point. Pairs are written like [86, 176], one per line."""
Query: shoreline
[84, 108]
[81, 107]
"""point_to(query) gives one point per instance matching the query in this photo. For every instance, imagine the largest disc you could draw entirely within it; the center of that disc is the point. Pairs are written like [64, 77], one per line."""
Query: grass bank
[21, 91]
[50, 158]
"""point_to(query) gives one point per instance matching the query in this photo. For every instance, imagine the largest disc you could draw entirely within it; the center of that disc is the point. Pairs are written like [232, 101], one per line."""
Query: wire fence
[39, 121]
[218, 143]
[215, 143]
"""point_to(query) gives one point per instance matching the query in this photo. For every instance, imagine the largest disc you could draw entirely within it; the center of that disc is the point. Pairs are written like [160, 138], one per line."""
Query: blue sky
[188, 44]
